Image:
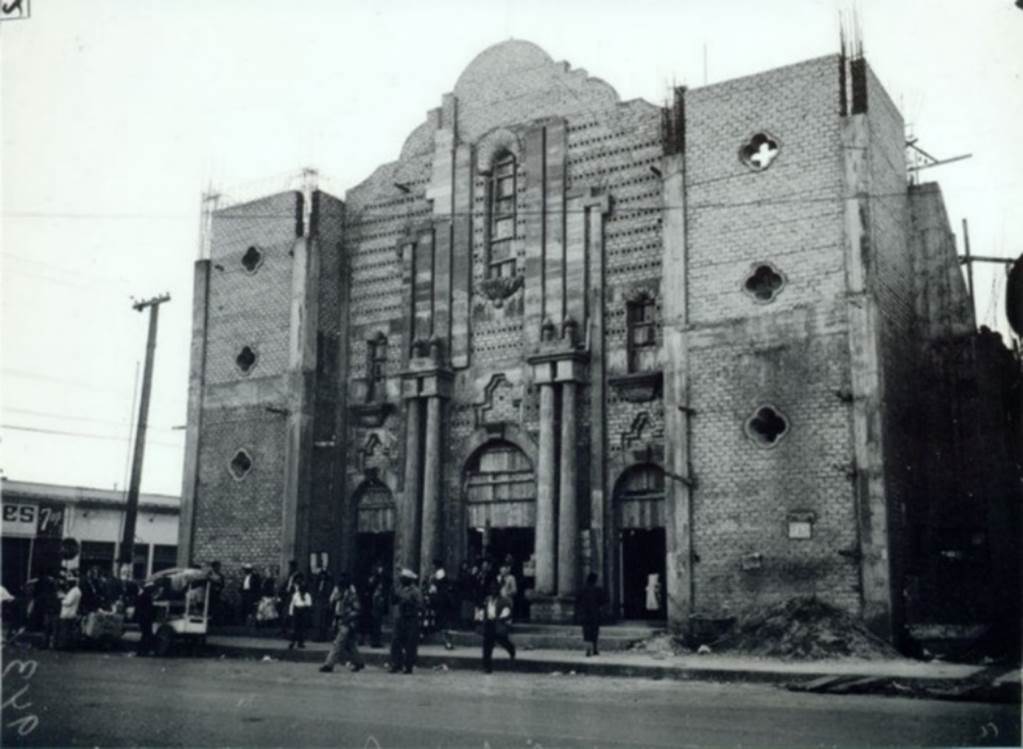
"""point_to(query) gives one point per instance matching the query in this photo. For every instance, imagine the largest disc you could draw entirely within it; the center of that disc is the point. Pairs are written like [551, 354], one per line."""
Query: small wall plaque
[801, 524]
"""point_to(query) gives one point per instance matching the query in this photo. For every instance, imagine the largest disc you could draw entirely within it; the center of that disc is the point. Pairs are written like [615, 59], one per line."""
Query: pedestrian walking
[440, 598]
[301, 606]
[589, 607]
[145, 615]
[345, 600]
[405, 641]
[496, 615]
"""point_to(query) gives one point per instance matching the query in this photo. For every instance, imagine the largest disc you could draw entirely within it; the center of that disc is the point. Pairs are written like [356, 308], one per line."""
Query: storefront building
[38, 518]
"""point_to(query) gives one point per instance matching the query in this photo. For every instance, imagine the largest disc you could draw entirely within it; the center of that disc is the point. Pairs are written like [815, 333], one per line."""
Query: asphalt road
[91, 699]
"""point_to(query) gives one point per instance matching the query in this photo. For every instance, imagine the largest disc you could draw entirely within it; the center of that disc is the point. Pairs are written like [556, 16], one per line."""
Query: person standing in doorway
[301, 606]
[345, 600]
[323, 615]
[497, 614]
[377, 603]
[405, 641]
[590, 605]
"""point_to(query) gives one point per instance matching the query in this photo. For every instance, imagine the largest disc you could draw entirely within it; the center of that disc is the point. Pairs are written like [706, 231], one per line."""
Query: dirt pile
[804, 629]
[660, 645]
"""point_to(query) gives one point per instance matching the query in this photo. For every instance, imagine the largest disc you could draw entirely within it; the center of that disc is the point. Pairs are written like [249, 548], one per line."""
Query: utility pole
[127, 555]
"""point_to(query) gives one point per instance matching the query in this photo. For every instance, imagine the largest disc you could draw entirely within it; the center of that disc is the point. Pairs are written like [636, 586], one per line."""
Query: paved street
[92, 699]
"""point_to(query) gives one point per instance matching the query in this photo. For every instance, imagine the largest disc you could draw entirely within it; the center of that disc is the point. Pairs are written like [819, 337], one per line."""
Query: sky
[115, 115]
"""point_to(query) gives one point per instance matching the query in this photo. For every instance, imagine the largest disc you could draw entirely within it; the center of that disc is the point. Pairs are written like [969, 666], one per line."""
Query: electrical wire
[87, 435]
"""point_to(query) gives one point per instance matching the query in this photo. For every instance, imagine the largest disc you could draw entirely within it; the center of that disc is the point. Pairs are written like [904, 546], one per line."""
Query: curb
[959, 691]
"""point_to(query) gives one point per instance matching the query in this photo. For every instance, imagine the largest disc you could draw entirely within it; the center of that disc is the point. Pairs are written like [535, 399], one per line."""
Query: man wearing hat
[250, 589]
[409, 600]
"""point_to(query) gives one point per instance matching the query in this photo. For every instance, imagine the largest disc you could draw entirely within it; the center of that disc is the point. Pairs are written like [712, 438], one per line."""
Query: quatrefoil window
[240, 464]
[764, 283]
[246, 359]
[252, 259]
[759, 152]
[767, 426]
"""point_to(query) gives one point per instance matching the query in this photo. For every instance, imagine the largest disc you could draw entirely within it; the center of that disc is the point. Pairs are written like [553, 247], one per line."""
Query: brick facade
[545, 316]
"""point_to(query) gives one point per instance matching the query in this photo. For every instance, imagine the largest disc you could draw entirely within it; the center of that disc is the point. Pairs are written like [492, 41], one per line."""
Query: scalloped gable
[512, 82]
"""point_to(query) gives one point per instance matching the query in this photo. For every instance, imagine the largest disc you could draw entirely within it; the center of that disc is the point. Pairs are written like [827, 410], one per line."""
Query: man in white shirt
[69, 604]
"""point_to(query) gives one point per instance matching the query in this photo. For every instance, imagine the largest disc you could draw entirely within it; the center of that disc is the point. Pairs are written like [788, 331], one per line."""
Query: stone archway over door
[641, 542]
[500, 498]
[374, 541]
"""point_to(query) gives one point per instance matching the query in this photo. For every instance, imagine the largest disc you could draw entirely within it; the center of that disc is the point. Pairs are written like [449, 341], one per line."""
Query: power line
[383, 213]
[86, 435]
[68, 417]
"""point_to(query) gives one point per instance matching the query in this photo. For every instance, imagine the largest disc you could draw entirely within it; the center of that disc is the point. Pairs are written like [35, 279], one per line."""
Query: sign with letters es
[20, 519]
[15, 10]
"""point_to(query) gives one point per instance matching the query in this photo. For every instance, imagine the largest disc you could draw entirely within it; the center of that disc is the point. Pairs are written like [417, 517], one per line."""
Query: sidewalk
[846, 676]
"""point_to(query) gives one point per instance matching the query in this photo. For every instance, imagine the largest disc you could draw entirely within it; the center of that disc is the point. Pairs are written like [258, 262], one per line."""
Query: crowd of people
[486, 595]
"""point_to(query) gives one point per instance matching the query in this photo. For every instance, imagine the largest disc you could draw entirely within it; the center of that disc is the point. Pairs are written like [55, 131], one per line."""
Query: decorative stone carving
[638, 387]
[501, 403]
[499, 288]
[371, 414]
[376, 453]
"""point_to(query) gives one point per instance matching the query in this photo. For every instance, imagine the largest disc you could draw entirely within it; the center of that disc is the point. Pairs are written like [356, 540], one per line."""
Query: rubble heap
[660, 645]
[804, 628]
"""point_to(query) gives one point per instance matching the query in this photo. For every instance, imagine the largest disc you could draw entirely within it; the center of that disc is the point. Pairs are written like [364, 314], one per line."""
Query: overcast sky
[116, 115]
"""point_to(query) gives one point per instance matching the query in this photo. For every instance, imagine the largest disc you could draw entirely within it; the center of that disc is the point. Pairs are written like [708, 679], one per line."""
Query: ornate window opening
[240, 464]
[376, 363]
[252, 259]
[245, 360]
[502, 196]
[642, 334]
[767, 426]
[764, 283]
[759, 152]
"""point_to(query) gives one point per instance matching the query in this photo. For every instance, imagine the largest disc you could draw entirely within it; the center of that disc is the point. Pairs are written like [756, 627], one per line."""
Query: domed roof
[500, 60]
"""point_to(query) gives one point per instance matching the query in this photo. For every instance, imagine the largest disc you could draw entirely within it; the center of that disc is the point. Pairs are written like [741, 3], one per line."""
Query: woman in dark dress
[591, 601]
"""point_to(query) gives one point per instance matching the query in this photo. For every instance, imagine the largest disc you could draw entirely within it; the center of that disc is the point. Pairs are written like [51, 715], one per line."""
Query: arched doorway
[374, 540]
[639, 518]
[500, 498]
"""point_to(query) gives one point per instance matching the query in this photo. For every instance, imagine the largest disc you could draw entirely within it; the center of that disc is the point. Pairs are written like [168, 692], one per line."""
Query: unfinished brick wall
[891, 274]
[239, 520]
[790, 353]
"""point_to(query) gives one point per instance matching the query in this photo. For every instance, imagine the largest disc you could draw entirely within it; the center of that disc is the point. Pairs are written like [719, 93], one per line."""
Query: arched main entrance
[500, 497]
[374, 540]
[639, 518]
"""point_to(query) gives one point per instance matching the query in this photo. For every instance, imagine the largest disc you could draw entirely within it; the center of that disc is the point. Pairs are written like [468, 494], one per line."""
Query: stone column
[546, 533]
[568, 513]
[410, 516]
[430, 548]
